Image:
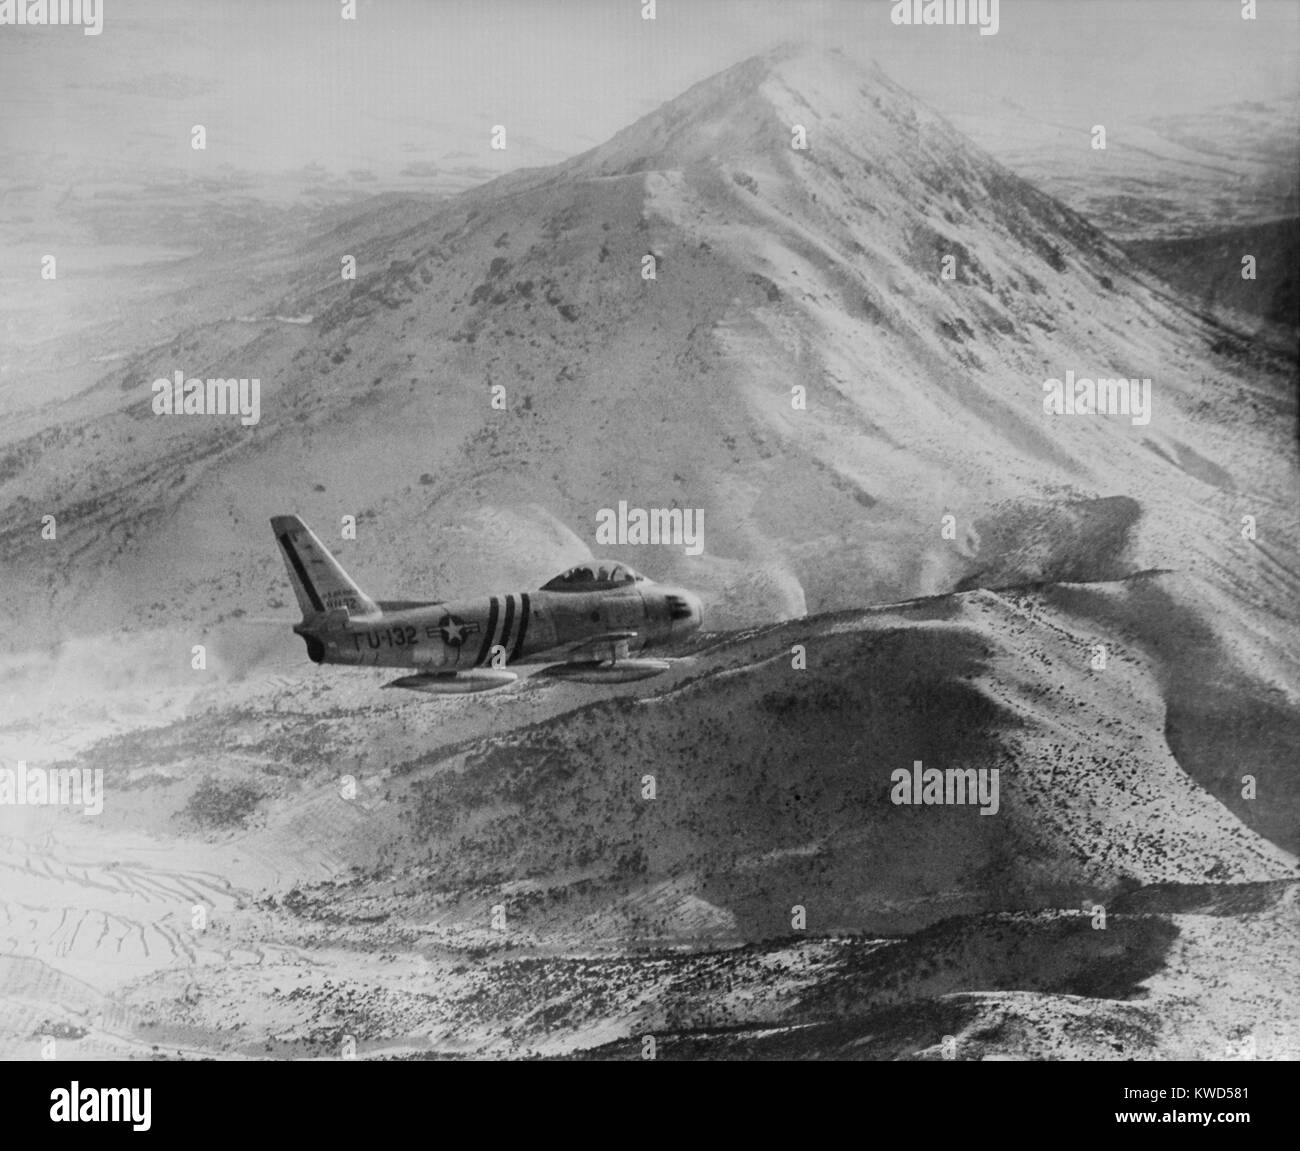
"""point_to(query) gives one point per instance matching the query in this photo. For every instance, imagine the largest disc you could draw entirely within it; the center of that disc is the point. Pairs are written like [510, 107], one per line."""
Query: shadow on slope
[720, 807]
[1228, 714]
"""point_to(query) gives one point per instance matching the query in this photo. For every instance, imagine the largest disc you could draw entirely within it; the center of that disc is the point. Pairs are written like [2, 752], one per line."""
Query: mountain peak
[754, 104]
[793, 54]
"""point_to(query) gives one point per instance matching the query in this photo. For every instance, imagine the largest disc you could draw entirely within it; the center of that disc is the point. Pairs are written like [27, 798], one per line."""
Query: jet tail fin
[318, 580]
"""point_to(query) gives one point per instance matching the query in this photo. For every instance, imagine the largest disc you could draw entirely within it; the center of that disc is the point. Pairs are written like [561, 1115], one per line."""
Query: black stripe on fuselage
[505, 627]
[486, 645]
[524, 610]
[300, 571]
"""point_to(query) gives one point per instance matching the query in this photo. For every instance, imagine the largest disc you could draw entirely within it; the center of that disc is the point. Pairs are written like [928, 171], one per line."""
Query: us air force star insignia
[453, 631]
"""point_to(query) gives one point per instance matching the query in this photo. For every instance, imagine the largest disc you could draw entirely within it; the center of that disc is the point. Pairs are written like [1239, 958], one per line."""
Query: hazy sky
[279, 83]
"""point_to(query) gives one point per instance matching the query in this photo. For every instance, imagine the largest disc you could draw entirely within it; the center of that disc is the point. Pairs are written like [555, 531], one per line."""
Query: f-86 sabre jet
[590, 624]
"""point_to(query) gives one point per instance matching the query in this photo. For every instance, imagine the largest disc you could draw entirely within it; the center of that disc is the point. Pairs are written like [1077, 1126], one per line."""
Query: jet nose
[697, 610]
[685, 611]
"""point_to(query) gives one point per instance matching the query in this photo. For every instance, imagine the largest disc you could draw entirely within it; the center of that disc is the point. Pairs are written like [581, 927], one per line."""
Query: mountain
[777, 267]
[1107, 620]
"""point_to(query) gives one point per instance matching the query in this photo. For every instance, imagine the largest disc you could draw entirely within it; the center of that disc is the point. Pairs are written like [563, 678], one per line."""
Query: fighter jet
[589, 623]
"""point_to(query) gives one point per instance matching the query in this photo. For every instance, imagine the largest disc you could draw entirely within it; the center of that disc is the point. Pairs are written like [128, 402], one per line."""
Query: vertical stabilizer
[320, 584]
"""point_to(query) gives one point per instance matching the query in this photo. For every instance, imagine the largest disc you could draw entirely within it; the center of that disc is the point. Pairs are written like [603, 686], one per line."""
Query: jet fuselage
[517, 627]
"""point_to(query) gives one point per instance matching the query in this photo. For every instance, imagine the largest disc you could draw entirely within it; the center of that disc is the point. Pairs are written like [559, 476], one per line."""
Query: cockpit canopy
[595, 575]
